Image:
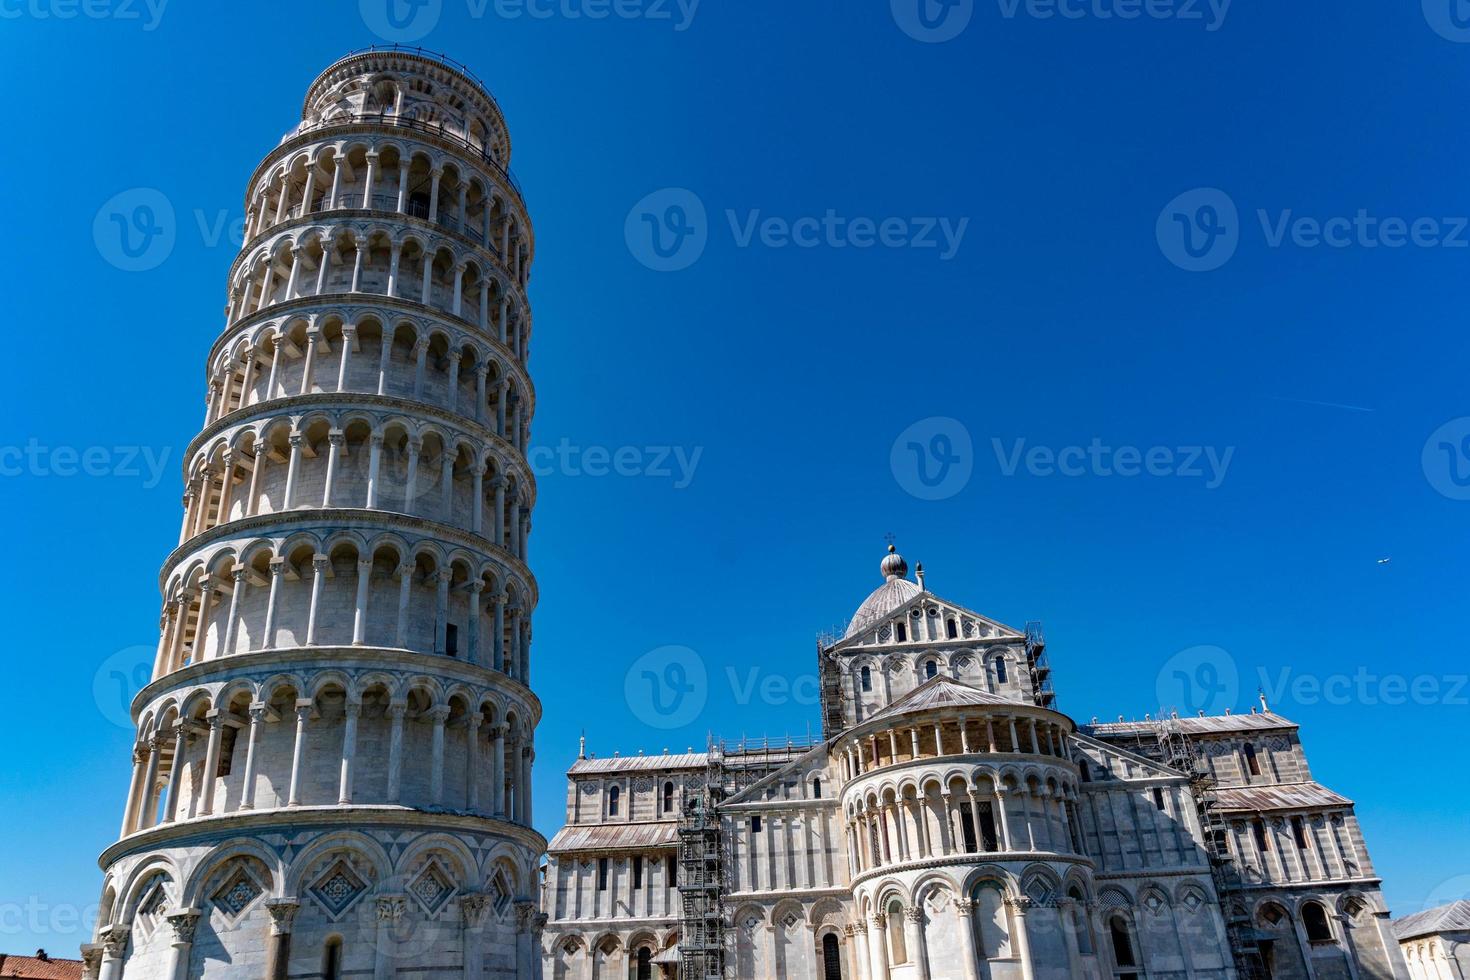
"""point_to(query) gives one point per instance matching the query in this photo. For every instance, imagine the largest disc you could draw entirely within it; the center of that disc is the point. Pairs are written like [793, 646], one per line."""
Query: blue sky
[1067, 155]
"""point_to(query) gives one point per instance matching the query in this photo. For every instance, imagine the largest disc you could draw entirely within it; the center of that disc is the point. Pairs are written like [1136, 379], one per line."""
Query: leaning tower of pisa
[332, 768]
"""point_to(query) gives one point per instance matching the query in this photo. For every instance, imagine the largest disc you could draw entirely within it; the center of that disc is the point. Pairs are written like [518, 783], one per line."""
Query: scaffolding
[834, 698]
[704, 857]
[702, 878]
[1181, 753]
[1039, 666]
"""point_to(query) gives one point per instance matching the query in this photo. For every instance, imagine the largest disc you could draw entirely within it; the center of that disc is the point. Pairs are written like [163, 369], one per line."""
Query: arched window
[930, 668]
[613, 792]
[1251, 761]
[1123, 954]
[897, 949]
[645, 964]
[1000, 670]
[332, 959]
[992, 923]
[1314, 917]
[901, 632]
[668, 797]
[831, 958]
[817, 788]
[867, 678]
[951, 629]
[1080, 925]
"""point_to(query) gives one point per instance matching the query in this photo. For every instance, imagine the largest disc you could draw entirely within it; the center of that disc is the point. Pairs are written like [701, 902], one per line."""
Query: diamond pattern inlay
[237, 893]
[338, 888]
[432, 888]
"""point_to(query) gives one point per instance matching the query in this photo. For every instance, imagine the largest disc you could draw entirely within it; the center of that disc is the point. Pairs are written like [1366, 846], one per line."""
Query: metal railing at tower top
[438, 56]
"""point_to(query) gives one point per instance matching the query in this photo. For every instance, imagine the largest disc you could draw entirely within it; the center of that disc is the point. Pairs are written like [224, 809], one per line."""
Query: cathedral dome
[895, 591]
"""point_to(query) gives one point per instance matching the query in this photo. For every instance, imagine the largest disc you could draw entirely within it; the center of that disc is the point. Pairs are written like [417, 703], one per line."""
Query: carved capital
[115, 941]
[473, 909]
[391, 908]
[184, 922]
[914, 914]
[283, 915]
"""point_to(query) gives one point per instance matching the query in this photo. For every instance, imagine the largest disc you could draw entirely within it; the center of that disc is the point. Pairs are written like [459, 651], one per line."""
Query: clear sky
[1128, 281]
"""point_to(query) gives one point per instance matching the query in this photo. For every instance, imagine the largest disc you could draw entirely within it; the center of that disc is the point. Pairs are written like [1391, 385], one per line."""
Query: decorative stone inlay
[1039, 892]
[432, 888]
[237, 894]
[338, 888]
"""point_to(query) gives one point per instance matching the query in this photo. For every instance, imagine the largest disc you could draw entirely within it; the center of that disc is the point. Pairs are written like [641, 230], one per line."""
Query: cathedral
[331, 770]
[952, 824]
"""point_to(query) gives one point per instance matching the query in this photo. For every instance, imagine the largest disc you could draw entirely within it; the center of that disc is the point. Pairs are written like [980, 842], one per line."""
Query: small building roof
[1282, 796]
[940, 691]
[638, 763]
[1254, 721]
[615, 837]
[1454, 917]
[40, 967]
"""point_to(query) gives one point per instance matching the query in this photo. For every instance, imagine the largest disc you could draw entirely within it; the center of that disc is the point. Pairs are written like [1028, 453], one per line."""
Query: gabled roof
[1255, 721]
[615, 836]
[896, 594]
[1280, 796]
[1454, 917]
[36, 968]
[940, 691]
[638, 763]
